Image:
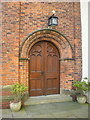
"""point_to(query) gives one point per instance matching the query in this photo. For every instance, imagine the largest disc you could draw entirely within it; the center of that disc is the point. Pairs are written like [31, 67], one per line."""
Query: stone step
[47, 99]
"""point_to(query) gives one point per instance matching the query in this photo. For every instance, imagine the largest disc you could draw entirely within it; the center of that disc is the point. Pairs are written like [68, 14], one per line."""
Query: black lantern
[52, 20]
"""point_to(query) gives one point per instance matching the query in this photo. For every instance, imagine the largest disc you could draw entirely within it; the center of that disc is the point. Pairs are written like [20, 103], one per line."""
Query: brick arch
[66, 55]
[51, 35]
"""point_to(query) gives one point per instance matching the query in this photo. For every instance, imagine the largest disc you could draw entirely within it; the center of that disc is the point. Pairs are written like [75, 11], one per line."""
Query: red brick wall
[20, 19]
[10, 42]
[34, 16]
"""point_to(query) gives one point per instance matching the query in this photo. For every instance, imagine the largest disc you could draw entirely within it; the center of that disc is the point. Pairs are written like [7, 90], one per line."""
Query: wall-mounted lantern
[53, 20]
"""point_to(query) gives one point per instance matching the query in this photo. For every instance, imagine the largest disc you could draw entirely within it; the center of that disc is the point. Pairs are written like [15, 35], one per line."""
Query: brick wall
[21, 19]
[10, 42]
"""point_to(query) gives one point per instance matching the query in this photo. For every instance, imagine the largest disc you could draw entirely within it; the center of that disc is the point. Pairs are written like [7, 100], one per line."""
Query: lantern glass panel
[49, 21]
[54, 21]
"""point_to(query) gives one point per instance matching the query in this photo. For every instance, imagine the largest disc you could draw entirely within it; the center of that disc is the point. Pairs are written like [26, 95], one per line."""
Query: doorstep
[47, 99]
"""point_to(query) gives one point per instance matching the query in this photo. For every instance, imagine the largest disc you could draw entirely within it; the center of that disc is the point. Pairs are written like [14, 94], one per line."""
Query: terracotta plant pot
[81, 99]
[15, 106]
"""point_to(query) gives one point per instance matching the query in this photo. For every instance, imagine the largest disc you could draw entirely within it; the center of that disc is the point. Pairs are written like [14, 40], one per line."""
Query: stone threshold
[47, 99]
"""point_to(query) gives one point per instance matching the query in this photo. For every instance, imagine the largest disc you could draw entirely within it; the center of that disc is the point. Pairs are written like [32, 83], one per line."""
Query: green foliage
[81, 86]
[18, 90]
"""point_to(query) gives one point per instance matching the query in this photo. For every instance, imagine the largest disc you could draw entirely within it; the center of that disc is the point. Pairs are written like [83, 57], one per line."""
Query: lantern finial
[53, 11]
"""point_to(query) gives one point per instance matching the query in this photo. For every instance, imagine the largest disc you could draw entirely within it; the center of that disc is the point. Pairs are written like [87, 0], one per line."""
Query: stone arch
[51, 35]
[66, 55]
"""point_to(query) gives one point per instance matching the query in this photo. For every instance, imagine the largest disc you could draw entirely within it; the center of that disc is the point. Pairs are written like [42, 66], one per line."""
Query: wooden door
[44, 69]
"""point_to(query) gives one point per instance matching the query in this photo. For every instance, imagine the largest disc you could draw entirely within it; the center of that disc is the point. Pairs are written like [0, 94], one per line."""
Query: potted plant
[18, 91]
[81, 87]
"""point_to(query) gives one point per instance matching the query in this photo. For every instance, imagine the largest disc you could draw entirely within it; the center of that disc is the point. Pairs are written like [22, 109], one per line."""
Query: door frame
[29, 63]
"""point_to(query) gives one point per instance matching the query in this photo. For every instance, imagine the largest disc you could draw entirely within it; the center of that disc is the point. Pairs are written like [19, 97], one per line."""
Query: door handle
[42, 73]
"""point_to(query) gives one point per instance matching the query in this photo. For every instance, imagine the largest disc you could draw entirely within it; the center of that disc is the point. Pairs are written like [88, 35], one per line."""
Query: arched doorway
[44, 69]
[66, 60]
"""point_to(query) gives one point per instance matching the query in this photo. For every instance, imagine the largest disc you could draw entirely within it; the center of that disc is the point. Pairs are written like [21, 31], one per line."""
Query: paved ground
[50, 110]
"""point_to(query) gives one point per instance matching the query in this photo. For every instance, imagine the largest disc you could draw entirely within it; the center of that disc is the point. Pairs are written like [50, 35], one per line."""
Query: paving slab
[63, 114]
[6, 113]
[22, 113]
[44, 116]
[58, 110]
[50, 110]
[79, 113]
